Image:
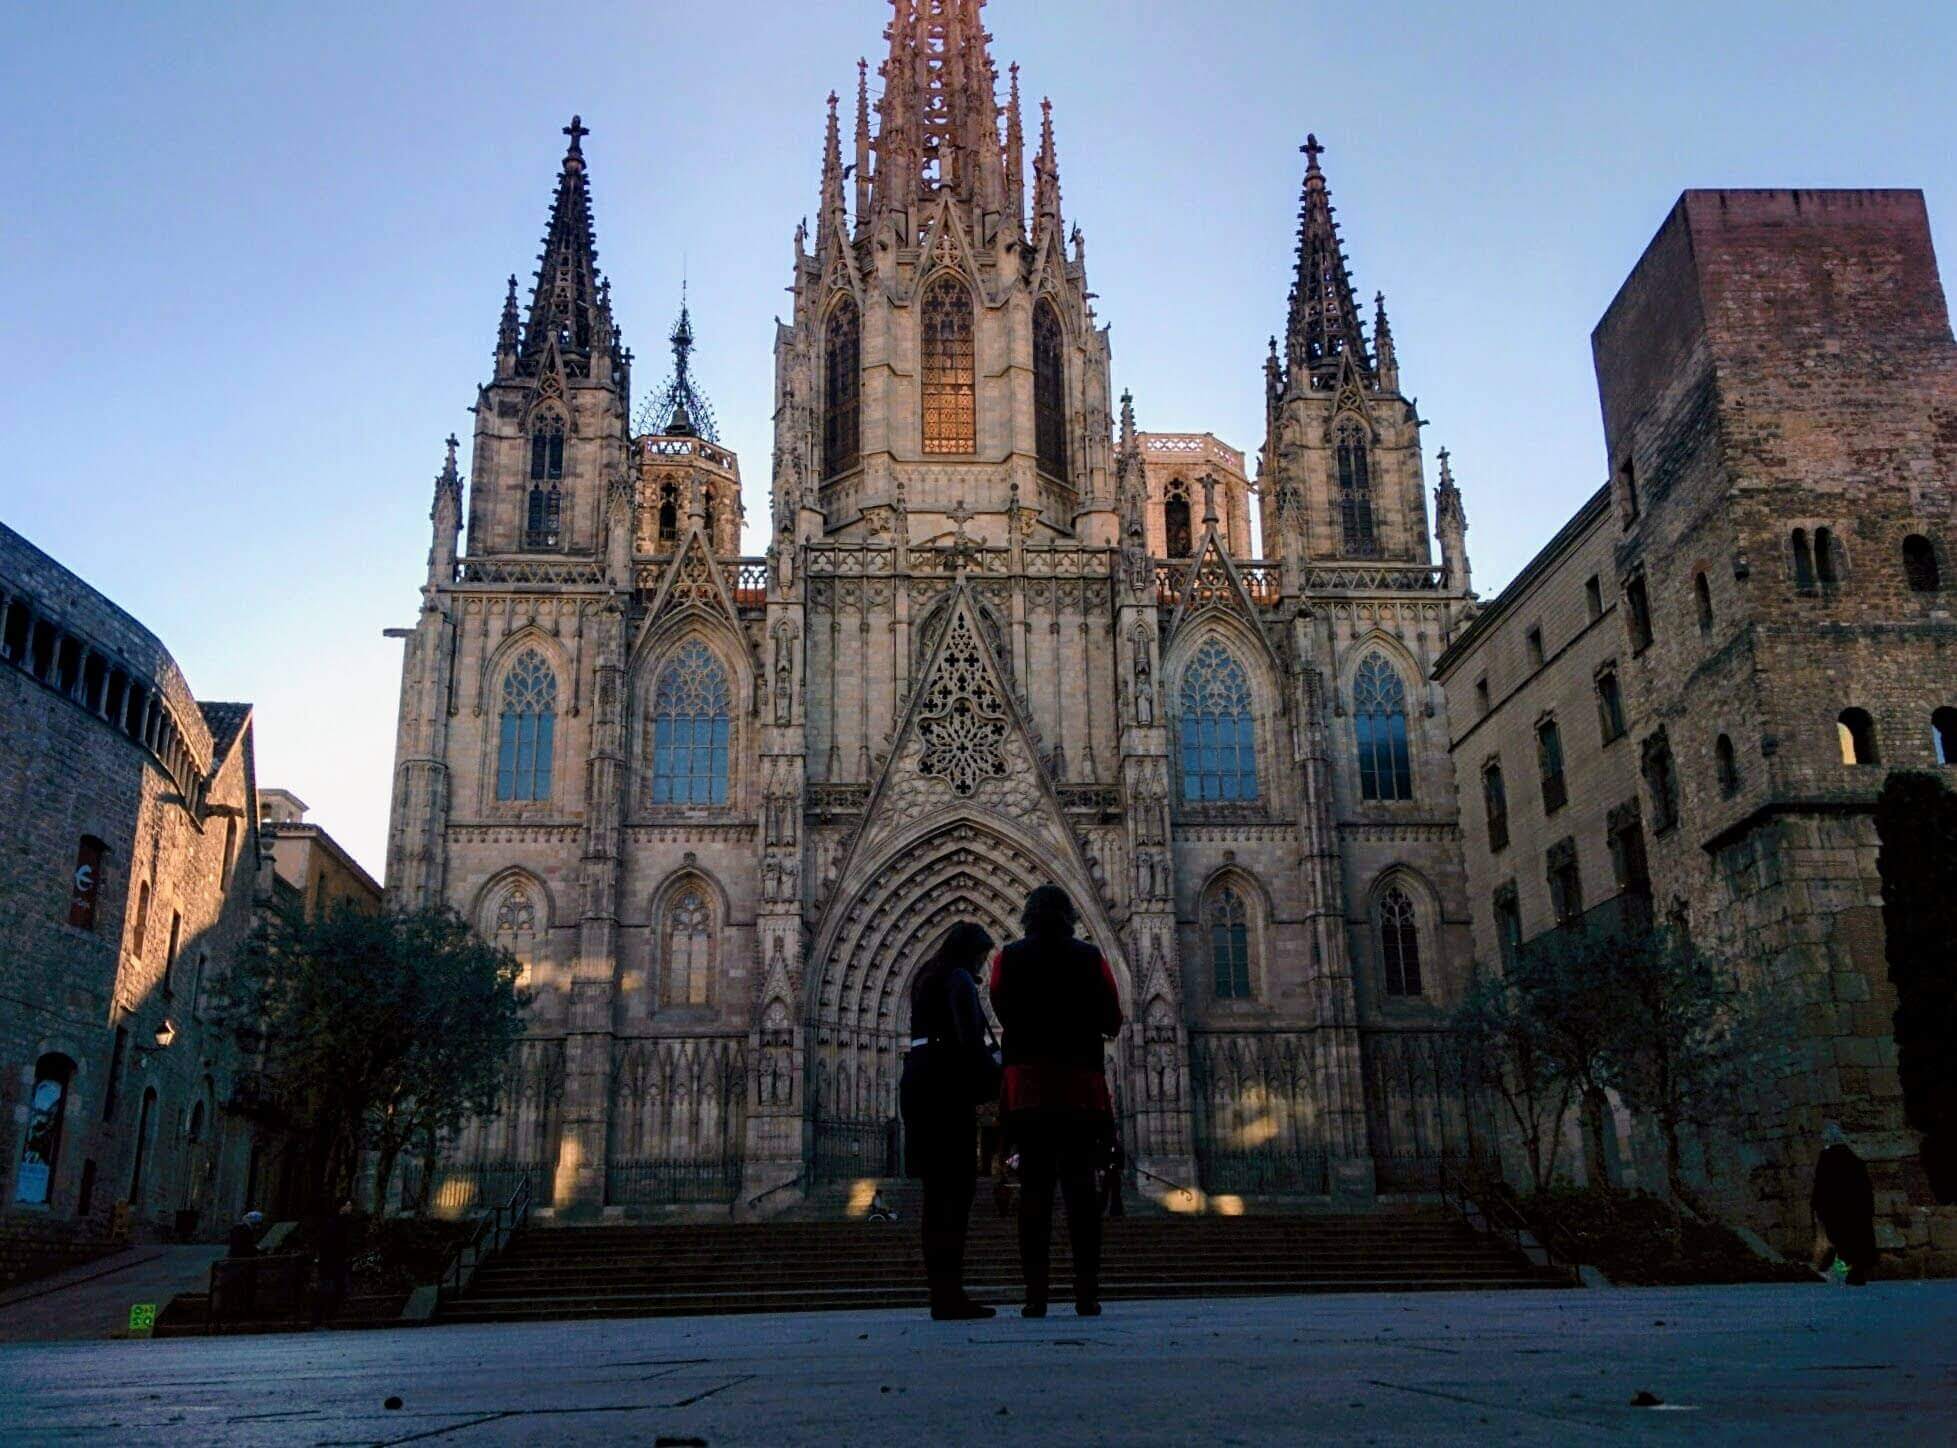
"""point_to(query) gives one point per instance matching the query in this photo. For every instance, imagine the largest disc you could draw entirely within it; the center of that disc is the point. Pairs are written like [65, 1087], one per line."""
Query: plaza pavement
[1779, 1364]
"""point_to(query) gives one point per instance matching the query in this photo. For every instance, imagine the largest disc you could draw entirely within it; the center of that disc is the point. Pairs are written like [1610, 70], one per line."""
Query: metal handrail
[493, 1232]
[794, 1181]
[1506, 1221]
[1175, 1185]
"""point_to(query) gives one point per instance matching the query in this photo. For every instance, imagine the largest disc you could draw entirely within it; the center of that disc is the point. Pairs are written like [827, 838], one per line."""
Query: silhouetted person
[243, 1241]
[1844, 1204]
[1057, 1003]
[335, 1264]
[948, 1070]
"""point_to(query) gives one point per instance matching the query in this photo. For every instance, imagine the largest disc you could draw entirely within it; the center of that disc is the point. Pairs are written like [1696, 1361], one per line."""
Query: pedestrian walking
[1844, 1208]
[1057, 1005]
[948, 1070]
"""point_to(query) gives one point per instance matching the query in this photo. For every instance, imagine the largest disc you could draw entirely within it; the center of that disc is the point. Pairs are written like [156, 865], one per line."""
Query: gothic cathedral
[721, 807]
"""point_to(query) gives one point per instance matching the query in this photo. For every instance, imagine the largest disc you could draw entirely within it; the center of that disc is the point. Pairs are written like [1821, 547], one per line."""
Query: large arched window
[524, 744]
[1229, 941]
[1920, 564]
[688, 946]
[1049, 391]
[1355, 491]
[543, 517]
[1177, 539]
[842, 383]
[690, 729]
[1856, 732]
[40, 1150]
[547, 448]
[1399, 942]
[1219, 744]
[1379, 719]
[950, 402]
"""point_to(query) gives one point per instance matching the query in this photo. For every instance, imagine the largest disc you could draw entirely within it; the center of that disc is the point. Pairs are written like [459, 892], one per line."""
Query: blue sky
[255, 254]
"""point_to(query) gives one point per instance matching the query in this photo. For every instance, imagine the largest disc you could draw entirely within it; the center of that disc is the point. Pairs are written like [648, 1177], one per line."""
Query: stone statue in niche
[1144, 682]
[784, 677]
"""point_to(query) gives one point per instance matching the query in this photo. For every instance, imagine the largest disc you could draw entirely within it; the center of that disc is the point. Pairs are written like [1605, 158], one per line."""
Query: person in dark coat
[1844, 1205]
[1057, 1004]
[948, 1070]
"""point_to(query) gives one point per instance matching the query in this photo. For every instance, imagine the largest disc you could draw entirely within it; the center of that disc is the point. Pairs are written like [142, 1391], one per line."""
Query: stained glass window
[842, 382]
[523, 754]
[1229, 925]
[1399, 943]
[1355, 493]
[950, 411]
[1379, 709]
[1049, 392]
[1219, 741]
[689, 948]
[690, 729]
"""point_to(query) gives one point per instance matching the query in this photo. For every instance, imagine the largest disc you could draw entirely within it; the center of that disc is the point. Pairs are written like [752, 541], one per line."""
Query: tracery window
[1355, 491]
[842, 384]
[40, 1150]
[689, 948]
[1049, 392]
[529, 721]
[1219, 742]
[543, 518]
[1229, 937]
[950, 393]
[1379, 707]
[1177, 539]
[691, 726]
[547, 448]
[1399, 943]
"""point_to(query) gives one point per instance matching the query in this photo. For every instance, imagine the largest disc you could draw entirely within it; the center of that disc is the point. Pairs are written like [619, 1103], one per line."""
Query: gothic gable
[695, 579]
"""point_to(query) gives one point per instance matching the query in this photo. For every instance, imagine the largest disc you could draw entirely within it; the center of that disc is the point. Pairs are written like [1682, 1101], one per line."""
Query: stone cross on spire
[577, 131]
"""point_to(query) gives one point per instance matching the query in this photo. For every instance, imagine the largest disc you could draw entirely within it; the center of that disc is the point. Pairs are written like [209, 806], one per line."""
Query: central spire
[1324, 325]
[940, 113]
[568, 304]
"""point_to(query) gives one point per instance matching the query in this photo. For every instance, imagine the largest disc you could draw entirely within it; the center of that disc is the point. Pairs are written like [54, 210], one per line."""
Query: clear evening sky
[255, 253]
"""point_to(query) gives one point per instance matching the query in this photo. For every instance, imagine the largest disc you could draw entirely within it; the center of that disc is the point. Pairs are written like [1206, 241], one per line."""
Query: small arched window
[1702, 595]
[1943, 735]
[949, 361]
[40, 1149]
[547, 448]
[1049, 391]
[1826, 564]
[669, 515]
[1803, 560]
[691, 727]
[1379, 710]
[842, 384]
[137, 935]
[1229, 939]
[543, 518]
[1726, 763]
[689, 952]
[1355, 491]
[1219, 740]
[708, 514]
[1920, 564]
[1177, 538]
[1399, 943]
[1856, 731]
[525, 740]
[194, 1129]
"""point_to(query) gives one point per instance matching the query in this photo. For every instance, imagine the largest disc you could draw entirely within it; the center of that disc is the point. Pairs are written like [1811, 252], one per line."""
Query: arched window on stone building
[709, 514]
[1355, 491]
[1920, 564]
[1049, 391]
[1726, 764]
[1943, 735]
[1219, 739]
[1379, 721]
[547, 448]
[1702, 597]
[1855, 731]
[691, 729]
[689, 946]
[669, 515]
[529, 721]
[1803, 560]
[543, 518]
[1227, 920]
[1399, 942]
[842, 383]
[1177, 539]
[1827, 558]
[47, 1111]
[949, 362]
[516, 923]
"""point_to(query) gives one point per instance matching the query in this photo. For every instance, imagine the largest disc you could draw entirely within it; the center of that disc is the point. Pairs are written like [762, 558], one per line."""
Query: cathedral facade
[722, 806]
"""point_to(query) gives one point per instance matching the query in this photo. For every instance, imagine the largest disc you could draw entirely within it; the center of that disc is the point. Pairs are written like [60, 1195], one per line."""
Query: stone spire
[1324, 323]
[1389, 364]
[566, 305]
[679, 408]
[1451, 524]
[831, 207]
[446, 519]
[938, 119]
[1046, 179]
[1131, 486]
[509, 333]
[862, 140]
[1015, 158]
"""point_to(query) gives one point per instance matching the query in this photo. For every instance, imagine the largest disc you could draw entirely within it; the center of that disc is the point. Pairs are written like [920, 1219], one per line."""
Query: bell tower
[1342, 442]
[942, 355]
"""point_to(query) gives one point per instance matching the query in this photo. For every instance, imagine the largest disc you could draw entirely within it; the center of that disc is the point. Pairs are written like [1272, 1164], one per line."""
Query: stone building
[127, 866]
[1685, 706]
[310, 870]
[723, 806]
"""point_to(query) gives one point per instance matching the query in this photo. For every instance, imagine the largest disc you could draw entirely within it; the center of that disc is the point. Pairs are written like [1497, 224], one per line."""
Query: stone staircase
[810, 1265]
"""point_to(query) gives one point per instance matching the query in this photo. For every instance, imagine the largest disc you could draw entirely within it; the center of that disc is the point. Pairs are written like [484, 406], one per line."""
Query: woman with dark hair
[948, 1071]
[1057, 1004]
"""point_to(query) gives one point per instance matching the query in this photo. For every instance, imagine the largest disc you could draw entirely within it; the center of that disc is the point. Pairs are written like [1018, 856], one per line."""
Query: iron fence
[845, 1150]
[1259, 1172]
[710, 1179]
[478, 1186]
